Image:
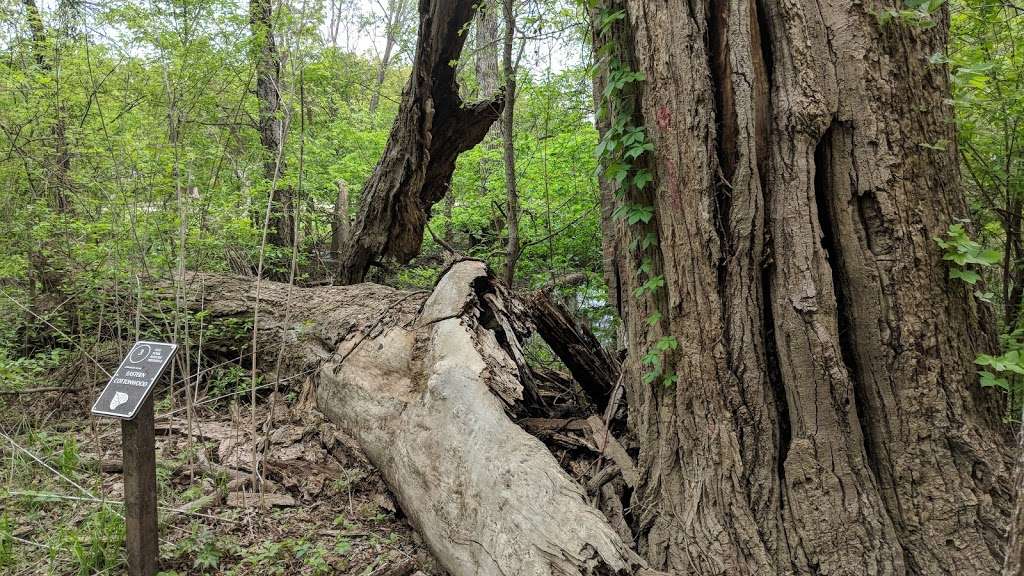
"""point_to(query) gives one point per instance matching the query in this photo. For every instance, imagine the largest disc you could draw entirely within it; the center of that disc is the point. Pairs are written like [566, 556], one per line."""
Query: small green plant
[97, 546]
[312, 556]
[622, 161]
[1006, 371]
[6, 541]
[966, 254]
[918, 14]
[230, 380]
[68, 460]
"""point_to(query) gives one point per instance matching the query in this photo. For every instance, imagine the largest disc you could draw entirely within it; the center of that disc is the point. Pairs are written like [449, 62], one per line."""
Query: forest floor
[323, 509]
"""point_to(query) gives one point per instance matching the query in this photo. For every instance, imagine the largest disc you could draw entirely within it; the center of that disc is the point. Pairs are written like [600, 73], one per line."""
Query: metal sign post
[127, 397]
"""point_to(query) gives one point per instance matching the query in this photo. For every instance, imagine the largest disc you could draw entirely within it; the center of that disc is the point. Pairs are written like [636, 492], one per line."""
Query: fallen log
[424, 382]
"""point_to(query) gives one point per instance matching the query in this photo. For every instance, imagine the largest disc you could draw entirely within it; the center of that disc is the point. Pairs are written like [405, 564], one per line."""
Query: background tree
[397, 15]
[272, 122]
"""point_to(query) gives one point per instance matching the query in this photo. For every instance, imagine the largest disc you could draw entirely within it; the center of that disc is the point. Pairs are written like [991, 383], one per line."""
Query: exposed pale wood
[423, 382]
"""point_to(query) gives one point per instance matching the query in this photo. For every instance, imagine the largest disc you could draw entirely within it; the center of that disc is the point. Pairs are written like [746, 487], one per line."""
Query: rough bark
[432, 128]
[271, 122]
[1014, 565]
[827, 417]
[340, 222]
[486, 49]
[423, 382]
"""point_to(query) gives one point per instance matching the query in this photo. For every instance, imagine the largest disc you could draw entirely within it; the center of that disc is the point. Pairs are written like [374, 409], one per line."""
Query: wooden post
[139, 454]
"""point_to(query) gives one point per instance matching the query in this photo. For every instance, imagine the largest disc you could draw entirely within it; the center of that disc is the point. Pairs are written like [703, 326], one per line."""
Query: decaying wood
[423, 383]
[588, 361]
[432, 128]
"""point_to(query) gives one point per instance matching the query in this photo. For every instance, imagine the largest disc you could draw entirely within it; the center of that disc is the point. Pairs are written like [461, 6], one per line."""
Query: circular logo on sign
[139, 353]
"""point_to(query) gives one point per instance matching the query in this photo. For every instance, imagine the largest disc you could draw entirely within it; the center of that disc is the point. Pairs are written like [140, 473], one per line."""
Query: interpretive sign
[131, 384]
[127, 396]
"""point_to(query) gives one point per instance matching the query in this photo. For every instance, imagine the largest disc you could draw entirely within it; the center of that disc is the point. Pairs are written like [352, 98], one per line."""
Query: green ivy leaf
[969, 276]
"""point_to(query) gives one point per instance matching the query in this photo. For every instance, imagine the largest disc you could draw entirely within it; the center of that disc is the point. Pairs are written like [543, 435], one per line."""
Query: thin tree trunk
[340, 224]
[271, 121]
[827, 417]
[486, 53]
[512, 245]
[58, 166]
[393, 26]
[432, 128]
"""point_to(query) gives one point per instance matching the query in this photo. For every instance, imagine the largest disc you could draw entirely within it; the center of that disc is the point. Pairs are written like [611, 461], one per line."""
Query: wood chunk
[609, 446]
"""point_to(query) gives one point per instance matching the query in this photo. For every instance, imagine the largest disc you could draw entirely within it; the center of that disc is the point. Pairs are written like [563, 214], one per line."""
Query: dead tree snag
[432, 128]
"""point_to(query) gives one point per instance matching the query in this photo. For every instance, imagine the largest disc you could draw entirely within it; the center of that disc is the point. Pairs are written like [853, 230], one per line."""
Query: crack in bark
[824, 197]
[726, 135]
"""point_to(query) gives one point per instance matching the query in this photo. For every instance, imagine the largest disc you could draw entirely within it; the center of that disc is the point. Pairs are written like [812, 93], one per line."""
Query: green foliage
[1006, 371]
[28, 371]
[623, 155]
[98, 546]
[962, 251]
[6, 541]
[920, 14]
[204, 549]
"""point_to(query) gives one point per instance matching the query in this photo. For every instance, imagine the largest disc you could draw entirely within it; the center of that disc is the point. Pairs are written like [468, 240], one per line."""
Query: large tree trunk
[431, 130]
[1014, 565]
[423, 382]
[827, 417]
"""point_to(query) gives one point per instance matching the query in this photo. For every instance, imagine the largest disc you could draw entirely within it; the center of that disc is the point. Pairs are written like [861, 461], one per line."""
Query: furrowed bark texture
[1015, 548]
[423, 381]
[432, 128]
[827, 417]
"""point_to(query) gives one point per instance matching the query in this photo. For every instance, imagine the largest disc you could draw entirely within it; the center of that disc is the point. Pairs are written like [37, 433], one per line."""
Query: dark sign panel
[134, 379]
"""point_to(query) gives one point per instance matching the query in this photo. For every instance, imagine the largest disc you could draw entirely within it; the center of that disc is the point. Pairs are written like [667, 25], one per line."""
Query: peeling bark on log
[432, 128]
[423, 381]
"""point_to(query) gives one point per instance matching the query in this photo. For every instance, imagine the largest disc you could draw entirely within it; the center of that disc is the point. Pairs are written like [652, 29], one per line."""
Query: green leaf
[969, 276]
[642, 179]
